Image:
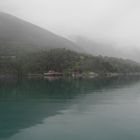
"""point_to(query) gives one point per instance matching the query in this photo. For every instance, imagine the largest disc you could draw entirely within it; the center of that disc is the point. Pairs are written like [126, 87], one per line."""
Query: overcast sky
[115, 21]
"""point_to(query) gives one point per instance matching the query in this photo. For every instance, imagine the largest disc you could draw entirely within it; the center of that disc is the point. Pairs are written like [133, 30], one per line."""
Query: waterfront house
[53, 73]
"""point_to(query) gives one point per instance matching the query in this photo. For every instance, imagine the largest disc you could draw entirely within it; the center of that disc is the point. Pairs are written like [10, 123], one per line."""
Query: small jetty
[52, 73]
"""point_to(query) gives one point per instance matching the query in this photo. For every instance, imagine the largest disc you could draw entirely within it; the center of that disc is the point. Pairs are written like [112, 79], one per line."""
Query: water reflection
[25, 103]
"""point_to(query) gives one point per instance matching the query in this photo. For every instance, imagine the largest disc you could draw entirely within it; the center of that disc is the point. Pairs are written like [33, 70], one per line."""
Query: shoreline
[83, 76]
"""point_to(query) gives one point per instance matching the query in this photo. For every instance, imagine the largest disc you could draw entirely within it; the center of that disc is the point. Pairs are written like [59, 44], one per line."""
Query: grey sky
[115, 21]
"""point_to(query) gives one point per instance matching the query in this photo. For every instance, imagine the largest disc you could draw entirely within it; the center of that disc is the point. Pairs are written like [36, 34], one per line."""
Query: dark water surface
[66, 109]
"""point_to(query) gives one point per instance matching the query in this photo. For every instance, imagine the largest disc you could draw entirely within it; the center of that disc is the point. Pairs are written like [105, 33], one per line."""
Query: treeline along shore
[65, 62]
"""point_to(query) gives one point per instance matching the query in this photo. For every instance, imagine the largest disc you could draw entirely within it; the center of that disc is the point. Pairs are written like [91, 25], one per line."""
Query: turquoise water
[70, 109]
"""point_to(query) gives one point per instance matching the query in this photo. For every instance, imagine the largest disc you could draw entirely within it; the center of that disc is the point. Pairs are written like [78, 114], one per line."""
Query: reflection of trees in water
[61, 89]
[28, 102]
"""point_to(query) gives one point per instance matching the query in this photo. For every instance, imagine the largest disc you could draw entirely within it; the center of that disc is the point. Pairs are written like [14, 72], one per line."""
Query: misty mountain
[96, 48]
[17, 35]
[106, 49]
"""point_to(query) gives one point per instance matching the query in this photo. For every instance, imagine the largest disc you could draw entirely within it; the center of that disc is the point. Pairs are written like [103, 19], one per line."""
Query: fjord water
[70, 109]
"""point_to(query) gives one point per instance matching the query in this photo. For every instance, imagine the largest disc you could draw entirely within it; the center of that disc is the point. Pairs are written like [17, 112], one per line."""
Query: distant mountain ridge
[19, 37]
[95, 48]
[106, 49]
[17, 33]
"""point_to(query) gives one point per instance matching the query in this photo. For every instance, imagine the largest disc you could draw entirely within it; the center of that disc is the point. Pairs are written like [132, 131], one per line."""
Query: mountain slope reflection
[28, 102]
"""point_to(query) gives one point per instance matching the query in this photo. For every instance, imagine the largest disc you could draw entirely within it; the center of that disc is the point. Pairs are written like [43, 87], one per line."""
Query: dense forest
[63, 60]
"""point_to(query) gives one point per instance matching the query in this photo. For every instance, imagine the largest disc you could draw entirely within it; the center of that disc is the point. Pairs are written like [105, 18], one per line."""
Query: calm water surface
[66, 109]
